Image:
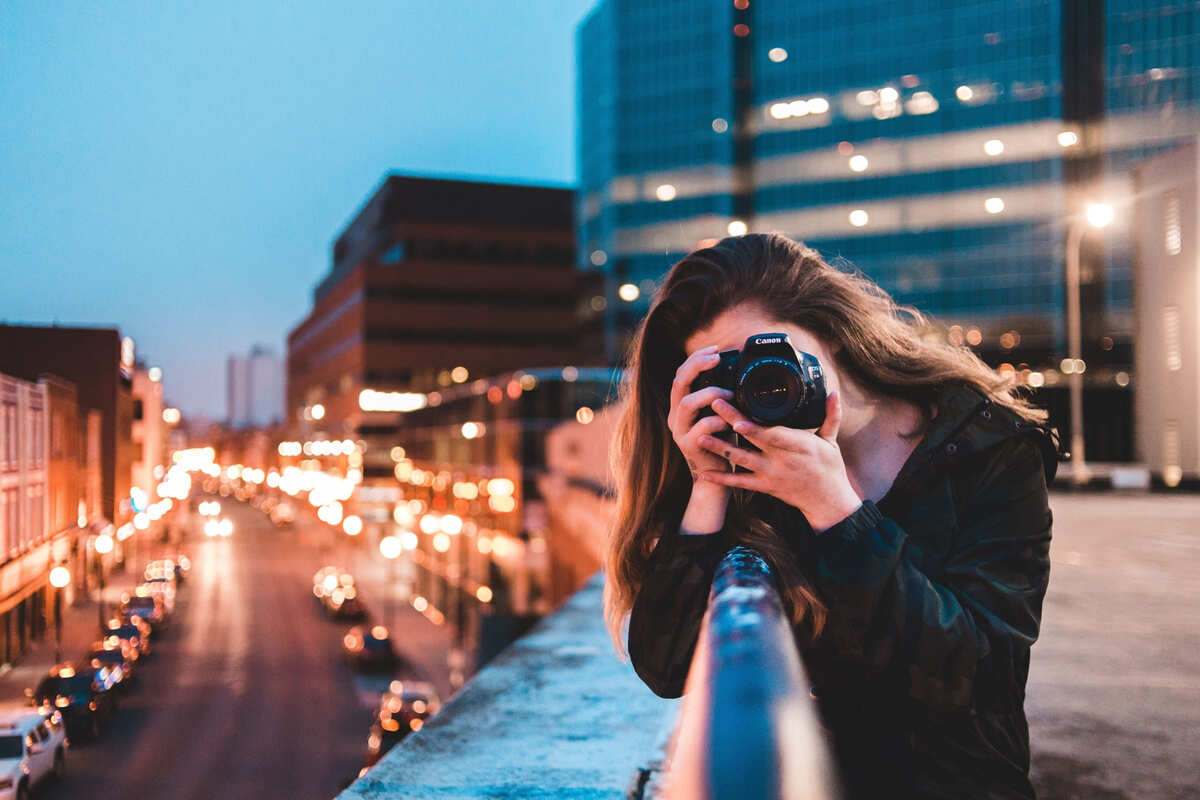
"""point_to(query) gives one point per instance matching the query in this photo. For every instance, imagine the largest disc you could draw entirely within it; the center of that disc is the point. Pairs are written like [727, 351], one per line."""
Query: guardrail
[748, 727]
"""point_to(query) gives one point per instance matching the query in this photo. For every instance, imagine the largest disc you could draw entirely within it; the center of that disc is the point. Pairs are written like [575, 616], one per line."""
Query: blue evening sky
[179, 170]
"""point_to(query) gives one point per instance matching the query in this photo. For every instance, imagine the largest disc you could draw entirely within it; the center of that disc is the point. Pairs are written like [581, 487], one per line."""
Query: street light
[60, 576]
[390, 547]
[104, 546]
[1096, 215]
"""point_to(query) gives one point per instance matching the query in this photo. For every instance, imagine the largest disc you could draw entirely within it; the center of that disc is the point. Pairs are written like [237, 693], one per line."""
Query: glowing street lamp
[104, 545]
[1096, 215]
[60, 576]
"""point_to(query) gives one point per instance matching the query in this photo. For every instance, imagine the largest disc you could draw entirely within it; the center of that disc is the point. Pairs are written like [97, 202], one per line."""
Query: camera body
[772, 382]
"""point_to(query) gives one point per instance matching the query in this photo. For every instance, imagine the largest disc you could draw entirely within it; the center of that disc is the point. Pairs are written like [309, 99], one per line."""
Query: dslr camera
[772, 382]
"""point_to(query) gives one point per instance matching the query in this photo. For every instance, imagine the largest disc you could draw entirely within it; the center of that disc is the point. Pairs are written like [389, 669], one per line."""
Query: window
[393, 255]
[1171, 337]
[1173, 235]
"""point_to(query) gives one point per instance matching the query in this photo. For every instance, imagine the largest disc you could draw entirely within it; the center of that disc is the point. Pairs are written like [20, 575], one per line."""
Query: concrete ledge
[554, 715]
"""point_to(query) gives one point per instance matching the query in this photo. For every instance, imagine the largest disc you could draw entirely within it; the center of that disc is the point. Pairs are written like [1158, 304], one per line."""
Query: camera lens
[770, 389]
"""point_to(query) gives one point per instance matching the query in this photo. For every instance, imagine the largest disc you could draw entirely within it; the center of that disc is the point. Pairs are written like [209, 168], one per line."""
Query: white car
[33, 746]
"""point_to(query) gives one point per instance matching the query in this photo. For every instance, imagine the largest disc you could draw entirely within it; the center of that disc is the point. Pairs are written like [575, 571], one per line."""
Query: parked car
[116, 659]
[172, 569]
[343, 603]
[329, 578]
[164, 588]
[337, 594]
[33, 747]
[369, 649]
[402, 709]
[147, 606]
[134, 635]
[84, 698]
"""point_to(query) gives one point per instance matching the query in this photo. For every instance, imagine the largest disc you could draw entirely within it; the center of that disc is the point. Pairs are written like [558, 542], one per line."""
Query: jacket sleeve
[665, 620]
[961, 636]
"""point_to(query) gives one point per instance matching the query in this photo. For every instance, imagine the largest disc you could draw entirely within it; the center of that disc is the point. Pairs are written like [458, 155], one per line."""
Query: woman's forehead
[730, 329]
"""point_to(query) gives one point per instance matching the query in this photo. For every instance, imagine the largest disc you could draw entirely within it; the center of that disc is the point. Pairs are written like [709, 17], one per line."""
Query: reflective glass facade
[941, 148]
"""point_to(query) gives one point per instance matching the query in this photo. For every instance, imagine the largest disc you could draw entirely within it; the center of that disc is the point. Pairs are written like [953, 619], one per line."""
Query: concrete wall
[554, 715]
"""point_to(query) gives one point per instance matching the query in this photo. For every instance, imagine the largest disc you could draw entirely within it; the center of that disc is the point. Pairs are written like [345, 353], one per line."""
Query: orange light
[741, 30]
[416, 723]
[484, 594]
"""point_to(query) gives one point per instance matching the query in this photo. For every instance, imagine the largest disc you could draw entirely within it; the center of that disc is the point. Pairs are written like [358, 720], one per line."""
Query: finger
[689, 407]
[736, 480]
[709, 424]
[833, 418]
[758, 435]
[693, 365]
[763, 437]
[754, 462]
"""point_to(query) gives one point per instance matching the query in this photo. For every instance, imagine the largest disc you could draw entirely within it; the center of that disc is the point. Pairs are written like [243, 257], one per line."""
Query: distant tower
[254, 388]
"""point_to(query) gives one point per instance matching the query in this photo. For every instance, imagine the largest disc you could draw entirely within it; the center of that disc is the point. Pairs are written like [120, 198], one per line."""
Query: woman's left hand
[802, 468]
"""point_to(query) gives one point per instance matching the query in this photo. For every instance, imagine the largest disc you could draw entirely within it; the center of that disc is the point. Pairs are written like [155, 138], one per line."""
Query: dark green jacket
[934, 597]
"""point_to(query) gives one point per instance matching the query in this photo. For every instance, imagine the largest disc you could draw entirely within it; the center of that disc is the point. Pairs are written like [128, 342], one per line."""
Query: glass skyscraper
[941, 148]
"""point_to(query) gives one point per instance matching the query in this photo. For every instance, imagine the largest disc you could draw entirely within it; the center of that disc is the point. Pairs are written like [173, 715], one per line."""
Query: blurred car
[369, 649]
[402, 709]
[283, 514]
[182, 566]
[146, 606]
[163, 588]
[343, 603]
[173, 569]
[132, 634]
[216, 528]
[33, 747]
[84, 698]
[117, 659]
[328, 579]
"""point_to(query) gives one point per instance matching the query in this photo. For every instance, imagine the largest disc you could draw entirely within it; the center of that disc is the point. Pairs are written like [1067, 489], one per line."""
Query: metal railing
[748, 727]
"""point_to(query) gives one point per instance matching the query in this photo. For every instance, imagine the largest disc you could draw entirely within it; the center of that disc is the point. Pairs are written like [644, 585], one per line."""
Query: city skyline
[148, 179]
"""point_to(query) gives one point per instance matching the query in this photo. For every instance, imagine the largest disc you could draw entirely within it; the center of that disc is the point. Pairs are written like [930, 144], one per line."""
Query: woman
[909, 534]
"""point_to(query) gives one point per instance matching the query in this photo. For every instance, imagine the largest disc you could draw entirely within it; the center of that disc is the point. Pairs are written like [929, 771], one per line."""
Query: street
[246, 695]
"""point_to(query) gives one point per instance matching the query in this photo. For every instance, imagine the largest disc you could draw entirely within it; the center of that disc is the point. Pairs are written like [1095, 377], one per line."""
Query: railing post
[748, 728]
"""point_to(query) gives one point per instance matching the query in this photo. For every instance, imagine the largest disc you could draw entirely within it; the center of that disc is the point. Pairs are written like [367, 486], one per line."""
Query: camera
[772, 382]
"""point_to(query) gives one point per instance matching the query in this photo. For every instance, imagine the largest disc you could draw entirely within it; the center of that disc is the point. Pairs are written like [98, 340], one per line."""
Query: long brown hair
[883, 350]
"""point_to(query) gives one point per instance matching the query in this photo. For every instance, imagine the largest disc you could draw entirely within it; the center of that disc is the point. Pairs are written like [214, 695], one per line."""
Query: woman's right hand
[706, 510]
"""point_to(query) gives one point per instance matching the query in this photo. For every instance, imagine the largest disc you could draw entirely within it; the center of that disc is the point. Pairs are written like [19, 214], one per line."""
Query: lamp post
[60, 576]
[1096, 215]
[352, 526]
[390, 547]
[104, 546]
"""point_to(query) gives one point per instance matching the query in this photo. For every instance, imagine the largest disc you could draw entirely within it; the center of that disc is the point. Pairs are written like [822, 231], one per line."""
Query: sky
[180, 170]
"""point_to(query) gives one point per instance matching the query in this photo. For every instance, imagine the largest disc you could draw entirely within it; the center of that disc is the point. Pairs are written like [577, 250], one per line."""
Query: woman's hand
[686, 406]
[705, 512]
[802, 468]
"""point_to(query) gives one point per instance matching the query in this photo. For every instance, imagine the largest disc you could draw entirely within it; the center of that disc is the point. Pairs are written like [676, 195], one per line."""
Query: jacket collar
[967, 422]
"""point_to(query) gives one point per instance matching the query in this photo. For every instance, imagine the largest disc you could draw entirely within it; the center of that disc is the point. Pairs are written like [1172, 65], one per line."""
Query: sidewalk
[80, 629]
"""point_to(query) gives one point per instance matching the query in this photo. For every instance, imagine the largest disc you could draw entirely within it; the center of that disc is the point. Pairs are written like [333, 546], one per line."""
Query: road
[246, 696]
